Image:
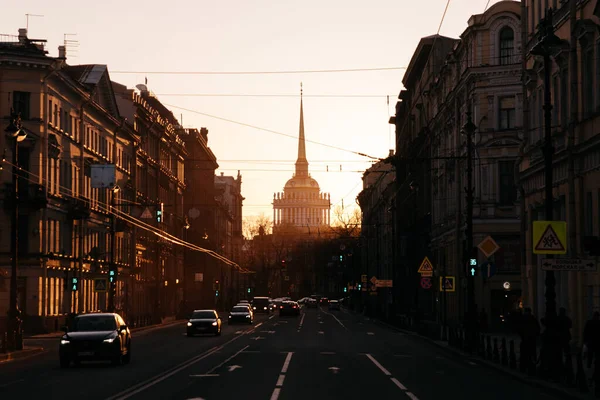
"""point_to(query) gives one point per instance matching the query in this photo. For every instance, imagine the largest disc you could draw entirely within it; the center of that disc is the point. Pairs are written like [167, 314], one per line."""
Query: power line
[310, 71]
[271, 131]
[378, 96]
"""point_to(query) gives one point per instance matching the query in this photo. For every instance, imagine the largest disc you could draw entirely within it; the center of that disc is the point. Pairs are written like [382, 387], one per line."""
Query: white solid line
[275, 394]
[286, 363]
[256, 326]
[227, 360]
[336, 318]
[397, 382]
[412, 396]
[203, 375]
[280, 381]
[132, 391]
[385, 371]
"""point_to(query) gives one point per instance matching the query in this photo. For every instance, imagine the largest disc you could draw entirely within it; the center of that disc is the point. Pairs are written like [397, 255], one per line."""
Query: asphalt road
[318, 355]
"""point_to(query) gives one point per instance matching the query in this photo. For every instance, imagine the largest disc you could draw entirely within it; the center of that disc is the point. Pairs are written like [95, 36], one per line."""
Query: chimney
[391, 152]
[204, 134]
[222, 173]
[62, 52]
[23, 36]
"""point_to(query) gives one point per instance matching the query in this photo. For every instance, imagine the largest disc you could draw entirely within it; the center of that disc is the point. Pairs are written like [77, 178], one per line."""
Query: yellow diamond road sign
[549, 237]
[488, 246]
[426, 268]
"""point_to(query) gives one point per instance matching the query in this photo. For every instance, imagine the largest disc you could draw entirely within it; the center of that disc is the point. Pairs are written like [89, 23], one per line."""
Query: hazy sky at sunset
[259, 35]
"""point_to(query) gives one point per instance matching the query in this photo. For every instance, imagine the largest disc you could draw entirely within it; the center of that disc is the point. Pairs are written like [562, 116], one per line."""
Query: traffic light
[159, 212]
[248, 290]
[473, 266]
[341, 257]
[74, 284]
[217, 293]
[359, 286]
[112, 276]
[282, 263]
[345, 289]
[216, 285]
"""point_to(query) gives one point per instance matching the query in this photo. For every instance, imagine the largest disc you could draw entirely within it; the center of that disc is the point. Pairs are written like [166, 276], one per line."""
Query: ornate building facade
[301, 206]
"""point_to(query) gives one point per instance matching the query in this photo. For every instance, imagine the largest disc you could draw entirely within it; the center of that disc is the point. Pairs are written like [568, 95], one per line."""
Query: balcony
[32, 196]
[79, 208]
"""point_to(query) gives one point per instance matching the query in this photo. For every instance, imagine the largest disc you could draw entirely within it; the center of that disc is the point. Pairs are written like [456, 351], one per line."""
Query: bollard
[504, 352]
[569, 370]
[496, 356]
[512, 357]
[580, 377]
[488, 352]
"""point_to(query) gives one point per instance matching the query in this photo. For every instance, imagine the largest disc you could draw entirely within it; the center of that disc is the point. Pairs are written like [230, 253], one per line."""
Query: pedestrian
[591, 339]
[564, 325]
[529, 330]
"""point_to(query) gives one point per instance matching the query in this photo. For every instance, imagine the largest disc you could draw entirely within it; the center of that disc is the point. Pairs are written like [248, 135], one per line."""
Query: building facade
[301, 207]
[575, 130]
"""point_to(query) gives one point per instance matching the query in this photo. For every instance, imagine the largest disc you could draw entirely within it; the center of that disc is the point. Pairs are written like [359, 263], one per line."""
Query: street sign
[447, 284]
[488, 269]
[363, 278]
[287, 278]
[426, 268]
[426, 283]
[373, 287]
[488, 246]
[146, 214]
[100, 285]
[374, 280]
[385, 283]
[549, 237]
[568, 264]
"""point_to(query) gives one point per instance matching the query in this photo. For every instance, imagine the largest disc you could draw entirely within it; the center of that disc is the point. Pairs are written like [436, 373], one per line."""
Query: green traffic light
[248, 290]
[472, 271]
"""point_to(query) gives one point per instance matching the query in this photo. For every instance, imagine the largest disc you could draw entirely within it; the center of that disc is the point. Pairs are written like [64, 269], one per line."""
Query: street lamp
[548, 43]
[113, 269]
[469, 129]
[14, 135]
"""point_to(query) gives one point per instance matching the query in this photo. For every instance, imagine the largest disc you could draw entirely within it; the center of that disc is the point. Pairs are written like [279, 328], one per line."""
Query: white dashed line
[370, 333]
[227, 360]
[327, 353]
[258, 325]
[275, 394]
[286, 363]
[472, 363]
[281, 378]
[394, 380]
[280, 381]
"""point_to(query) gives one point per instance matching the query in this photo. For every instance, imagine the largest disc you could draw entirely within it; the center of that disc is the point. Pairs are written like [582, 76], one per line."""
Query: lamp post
[14, 135]
[469, 130]
[551, 347]
[113, 269]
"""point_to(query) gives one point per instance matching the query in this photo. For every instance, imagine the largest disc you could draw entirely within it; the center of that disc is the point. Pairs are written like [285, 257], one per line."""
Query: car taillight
[295, 307]
[280, 306]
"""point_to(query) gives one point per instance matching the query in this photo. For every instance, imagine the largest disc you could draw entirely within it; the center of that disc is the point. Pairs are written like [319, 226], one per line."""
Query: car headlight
[265, 308]
[248, 316]
[230, 316]
[254, 308]
[109, 340]
[64, 341]
[189, 324]
[214, 323]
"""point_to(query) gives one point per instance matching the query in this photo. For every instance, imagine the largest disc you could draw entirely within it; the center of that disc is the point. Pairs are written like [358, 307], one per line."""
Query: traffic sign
[146, 214]
[488, 269]
[373, 287]
[374, 280]
[426, 282]
[488, 246]
[385, 283]
[287, 278]
[549, 237]
[363, 278]
[100, 285]
[568, 264]
[447, 284]
[426, 268]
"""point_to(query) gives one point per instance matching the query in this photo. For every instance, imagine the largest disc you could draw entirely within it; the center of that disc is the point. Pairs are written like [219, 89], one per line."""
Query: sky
[345, 113]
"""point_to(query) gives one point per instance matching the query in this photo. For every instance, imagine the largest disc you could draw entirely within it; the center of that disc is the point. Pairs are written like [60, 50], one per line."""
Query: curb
[15, 355]
[532, 381]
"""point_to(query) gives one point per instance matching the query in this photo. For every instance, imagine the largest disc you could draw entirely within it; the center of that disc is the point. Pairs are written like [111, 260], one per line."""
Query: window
[508, 191]
[564, 95]
[21, 102]
[507, 113]
[507, 44]
[588, 82]
[589, 214]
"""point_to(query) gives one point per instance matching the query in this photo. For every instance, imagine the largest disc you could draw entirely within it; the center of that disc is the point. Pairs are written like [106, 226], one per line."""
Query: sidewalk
[561, 390]
[15, 355]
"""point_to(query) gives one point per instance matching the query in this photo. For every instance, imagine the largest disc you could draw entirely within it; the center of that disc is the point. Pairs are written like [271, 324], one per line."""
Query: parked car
[241, 314]
[94, 337]
[289, 308]
[204, 321]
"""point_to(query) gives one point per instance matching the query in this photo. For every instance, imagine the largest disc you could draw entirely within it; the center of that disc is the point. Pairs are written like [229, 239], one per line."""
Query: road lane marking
[321, 333]
[11, 383]
[412, 396]
[203, 375]
[251, 351]
[370, 333]
[272, 316]
[301, 321]
[132, 391]
[275, 394]
[256, 326]
[381, 367]
[227, 360]
[472, 363]
[286, 363]
[336, 318]
[397, 383]
[280, 381]
[327, 353]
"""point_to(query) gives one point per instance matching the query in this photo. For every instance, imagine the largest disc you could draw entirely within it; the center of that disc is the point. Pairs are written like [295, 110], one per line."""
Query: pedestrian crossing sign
[447, 284]
[100, 285]
[426, 268]
[549, 237]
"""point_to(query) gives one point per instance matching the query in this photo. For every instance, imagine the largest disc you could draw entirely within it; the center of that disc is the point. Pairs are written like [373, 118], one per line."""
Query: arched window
[507, 45]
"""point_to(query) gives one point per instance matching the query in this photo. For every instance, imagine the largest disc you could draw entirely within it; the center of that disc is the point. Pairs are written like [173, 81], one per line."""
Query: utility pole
[469, 130]
[112, 269]
[14, 135]
[552, 363]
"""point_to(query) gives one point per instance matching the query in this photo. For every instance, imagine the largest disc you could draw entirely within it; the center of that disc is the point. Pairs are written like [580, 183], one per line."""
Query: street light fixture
[14, 135]
[549, 42]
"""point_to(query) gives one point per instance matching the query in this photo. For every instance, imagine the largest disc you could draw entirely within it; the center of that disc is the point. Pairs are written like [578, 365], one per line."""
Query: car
[311, 303]
[334, 305]
[95, 337]
[324, 301]
[289, 308]
[242, 314]
[204, 321]
[261, 305]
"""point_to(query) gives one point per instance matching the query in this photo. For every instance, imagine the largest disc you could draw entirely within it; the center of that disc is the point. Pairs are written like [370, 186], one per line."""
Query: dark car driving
[96, 337]
[241, 314]
[289, 308]
[204, 321]
[261, 305]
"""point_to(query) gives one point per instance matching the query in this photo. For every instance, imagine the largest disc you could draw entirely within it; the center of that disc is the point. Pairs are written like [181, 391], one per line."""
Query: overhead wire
[310, 71]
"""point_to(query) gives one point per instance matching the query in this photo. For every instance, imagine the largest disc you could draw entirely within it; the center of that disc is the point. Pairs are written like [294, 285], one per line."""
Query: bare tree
[347, 221]
[254, 224]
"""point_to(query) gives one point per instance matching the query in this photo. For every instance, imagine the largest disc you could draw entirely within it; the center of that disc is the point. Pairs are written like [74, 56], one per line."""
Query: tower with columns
[301, 206]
